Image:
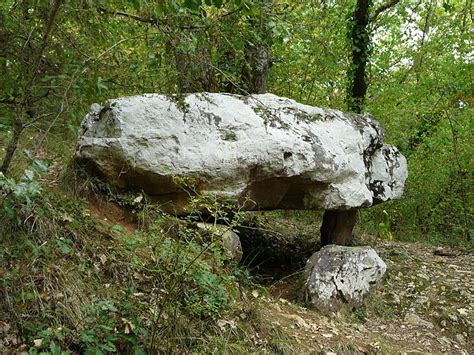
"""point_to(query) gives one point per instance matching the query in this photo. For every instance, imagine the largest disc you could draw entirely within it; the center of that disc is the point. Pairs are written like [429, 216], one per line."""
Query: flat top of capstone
[273, 149]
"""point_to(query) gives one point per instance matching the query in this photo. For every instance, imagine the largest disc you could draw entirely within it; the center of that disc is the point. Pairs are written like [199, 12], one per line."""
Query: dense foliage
[419, 60]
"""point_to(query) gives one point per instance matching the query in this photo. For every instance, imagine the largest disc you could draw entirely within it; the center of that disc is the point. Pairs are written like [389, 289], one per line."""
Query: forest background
[58, 57]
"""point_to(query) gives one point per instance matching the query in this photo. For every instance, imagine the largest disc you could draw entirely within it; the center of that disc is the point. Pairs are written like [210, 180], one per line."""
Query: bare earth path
[426, 305]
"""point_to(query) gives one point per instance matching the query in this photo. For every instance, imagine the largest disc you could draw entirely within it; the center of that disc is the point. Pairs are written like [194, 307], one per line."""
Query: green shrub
[18, 197]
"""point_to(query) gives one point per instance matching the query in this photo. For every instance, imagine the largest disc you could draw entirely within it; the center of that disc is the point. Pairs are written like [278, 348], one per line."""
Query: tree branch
[8, 102]
[230, 13]
[382, 8]
[18, 125]
[126, 14]
[152, 21]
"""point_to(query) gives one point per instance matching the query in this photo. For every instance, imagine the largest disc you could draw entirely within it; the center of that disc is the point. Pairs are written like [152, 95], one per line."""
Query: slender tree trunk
[360, 39]
[255, 77]
[195, 74]
[12, 145]
[257, 54]
[24, 103]
[421, 52]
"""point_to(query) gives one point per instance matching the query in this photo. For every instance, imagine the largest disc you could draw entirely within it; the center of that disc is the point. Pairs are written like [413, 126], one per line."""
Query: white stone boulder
[260, 151]
[339, 275]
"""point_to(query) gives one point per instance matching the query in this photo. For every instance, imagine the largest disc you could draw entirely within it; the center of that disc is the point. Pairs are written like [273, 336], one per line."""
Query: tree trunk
[337, 227]
[359, 31]
[255, 76]
[195, 74]
[24, 103]
[360, 38]
[12, 145]
[257, 52]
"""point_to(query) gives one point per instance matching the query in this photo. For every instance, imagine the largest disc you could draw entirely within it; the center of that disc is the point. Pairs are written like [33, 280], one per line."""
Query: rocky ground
[425, 305]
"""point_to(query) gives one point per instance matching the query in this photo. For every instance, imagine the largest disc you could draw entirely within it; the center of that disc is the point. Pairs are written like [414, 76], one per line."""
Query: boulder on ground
[259, 151]
[229, 239]
[338, 275]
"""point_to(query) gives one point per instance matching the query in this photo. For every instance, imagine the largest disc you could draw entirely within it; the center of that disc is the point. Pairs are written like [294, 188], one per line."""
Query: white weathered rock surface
[338, 275]
[264, 148]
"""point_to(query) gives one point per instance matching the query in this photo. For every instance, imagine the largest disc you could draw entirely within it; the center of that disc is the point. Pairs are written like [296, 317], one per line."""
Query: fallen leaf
[462, 311]
[222, 323]
[103, 259]
[4, 327]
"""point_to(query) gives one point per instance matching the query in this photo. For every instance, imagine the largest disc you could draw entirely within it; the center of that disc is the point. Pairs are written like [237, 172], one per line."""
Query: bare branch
[8, 102]
[152, 21]
[126, 14]
[36, 119]
[382, 8]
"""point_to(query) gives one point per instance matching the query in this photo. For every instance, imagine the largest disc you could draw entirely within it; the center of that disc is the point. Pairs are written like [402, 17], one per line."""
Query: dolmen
[260, 152]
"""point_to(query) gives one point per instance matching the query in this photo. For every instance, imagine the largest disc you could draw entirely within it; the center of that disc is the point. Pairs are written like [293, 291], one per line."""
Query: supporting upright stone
[337, 227]
[337, 277]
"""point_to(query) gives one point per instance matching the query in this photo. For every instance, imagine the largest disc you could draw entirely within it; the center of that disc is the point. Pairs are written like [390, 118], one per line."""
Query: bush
[18, 197]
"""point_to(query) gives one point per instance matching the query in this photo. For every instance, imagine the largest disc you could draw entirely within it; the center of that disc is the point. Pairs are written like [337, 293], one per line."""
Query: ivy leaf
[116, 228]
[40, 166]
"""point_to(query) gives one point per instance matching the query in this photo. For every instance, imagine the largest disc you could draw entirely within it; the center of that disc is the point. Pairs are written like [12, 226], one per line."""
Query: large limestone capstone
[261, 151]
[339, 275]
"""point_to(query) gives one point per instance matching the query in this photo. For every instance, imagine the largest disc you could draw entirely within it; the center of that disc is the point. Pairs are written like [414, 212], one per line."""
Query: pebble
[414, 319]
[460, 338]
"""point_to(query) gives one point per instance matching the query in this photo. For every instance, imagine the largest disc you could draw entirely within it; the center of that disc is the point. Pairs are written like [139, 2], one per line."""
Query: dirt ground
[425, 305]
